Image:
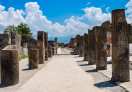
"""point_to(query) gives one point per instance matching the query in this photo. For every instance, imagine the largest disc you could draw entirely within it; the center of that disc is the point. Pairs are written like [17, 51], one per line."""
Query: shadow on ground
[27, 69]
[84, 64]
[5, 86]
[105, 84]
[93, 70]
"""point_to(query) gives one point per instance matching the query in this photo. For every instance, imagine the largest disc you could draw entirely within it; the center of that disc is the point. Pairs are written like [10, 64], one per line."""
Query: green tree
[24, 30]
[10, 28]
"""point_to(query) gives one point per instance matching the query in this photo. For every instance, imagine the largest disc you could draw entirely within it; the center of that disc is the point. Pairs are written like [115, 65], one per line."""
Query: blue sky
[60, 11]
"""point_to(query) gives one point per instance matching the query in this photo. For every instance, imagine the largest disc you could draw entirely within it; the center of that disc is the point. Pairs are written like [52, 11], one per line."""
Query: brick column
[85, 47]
[33, 54]
[78, 44]
[46, 45]
[91, 47]
[41, 47]
[120, 47]
[50, 54]
[101, 55]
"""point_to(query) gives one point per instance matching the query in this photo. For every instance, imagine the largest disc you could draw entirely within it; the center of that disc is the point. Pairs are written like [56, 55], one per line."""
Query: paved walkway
[61, 74]
[102, 81]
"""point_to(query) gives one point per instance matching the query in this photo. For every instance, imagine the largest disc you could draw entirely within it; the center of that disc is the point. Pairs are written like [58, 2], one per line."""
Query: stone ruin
[108, 40]
[38, 51]
[46, 45]
[4, 40]
[52, 48]
[10, 47]
[41, 46]
[76, 45]
[9, 65]
[91, 47]
[120, 47]
[107, 28]
[79, 48]
[33, 54]
[101, 55]
[55, 45]
[86, 47]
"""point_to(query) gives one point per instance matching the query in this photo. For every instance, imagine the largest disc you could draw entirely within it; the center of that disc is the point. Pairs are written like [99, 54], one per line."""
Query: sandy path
[61, 74]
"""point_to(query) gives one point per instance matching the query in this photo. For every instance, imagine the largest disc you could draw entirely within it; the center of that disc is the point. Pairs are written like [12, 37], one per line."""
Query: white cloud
[2, 7]
[129, 11]
[74, 26]
[95, 16]
[37, 20]
[11, 16]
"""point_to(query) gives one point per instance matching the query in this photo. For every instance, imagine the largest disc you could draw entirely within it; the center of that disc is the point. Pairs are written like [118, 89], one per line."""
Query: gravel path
[101, 80]
[25, 75]
[62, 74]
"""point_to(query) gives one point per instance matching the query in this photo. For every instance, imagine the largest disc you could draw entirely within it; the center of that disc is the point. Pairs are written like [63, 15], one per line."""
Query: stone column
[101, 55]
[4, 40]
[55, 45]
[50, 51]
[91, 47]
[78, 44]
[75, 51]
[9, 66]
[81, 46]
[76, 48]
[46, 45]
[120, 47]
[41, 47]
[33, 55]
[85, 47]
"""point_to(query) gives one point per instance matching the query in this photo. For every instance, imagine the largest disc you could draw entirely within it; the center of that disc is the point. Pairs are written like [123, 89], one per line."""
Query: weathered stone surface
[32, 43]
[71, 43]
[50, 54]
[85, 47]
[76, 43]
[41, 47]
[101, 55]
[91, 47]
[55, 45]
[80, 45]
[51, 47]
[130, 32]
[4, 40]
[46, 45]
[25, 39]
[9, 66]
[120, 47]
[15, 40]
[81, 48]
[33, 55]
[107, 27]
